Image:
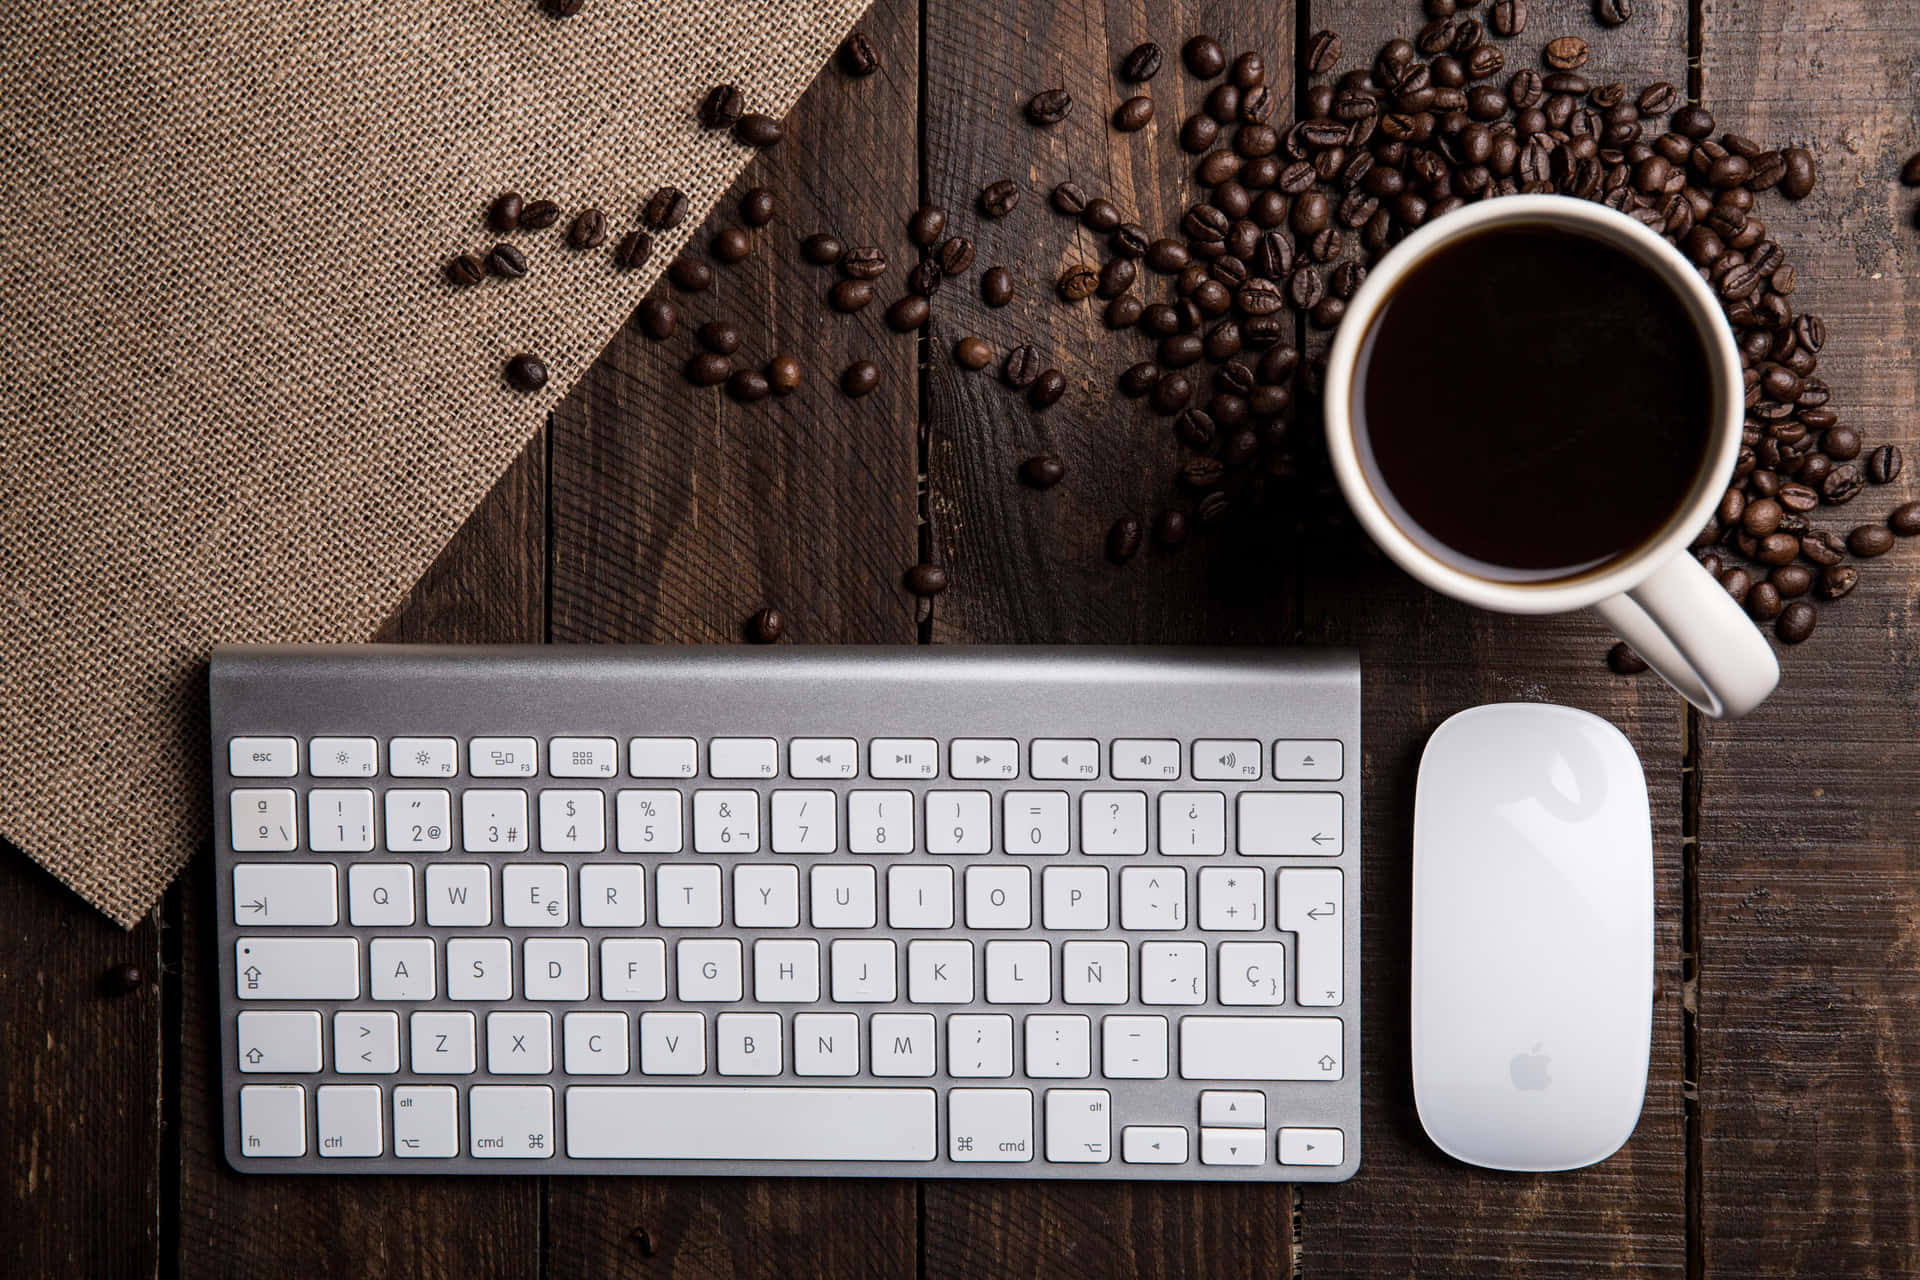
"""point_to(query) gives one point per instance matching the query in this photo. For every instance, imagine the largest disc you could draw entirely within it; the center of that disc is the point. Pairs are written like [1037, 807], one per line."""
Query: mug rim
[1575, 591]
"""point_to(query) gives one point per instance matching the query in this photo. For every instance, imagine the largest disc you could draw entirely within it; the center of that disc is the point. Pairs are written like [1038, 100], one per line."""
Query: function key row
[985, 759]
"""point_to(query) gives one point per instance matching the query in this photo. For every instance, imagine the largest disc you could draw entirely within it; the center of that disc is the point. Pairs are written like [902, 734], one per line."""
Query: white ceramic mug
[1658, 598]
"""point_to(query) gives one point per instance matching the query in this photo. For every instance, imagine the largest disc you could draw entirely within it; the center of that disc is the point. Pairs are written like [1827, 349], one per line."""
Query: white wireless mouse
[1532, 937]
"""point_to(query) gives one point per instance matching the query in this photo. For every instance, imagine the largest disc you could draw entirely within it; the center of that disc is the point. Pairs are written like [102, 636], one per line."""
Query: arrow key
[1153, 1144]
[1233, 1109]
[1233, 1146]
[1313, 1146]
[278, 1040]
[366, 1043]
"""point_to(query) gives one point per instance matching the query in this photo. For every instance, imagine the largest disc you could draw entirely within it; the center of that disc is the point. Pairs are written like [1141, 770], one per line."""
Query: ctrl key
[990, 1125]
[273, 1120]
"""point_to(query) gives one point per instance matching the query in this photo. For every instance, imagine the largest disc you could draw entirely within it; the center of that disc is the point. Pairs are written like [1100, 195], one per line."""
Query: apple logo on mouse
[1529, 1070]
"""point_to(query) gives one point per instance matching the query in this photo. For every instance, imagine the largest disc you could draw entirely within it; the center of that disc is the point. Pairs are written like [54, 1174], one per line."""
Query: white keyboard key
[479, 969]
[519, 1043]
[959, 822]
[459, 894]
[400, 969]
[1079, 1126]
[510, 1122]
[1133, 1047]
[628, 1122]
[595, 1044]
[673, 1044]
[766, 897]
[647, 821]
[880, 822]
[1073, 897]
[983, 758]
[1261, 1048]
[990, 1125]
[583, 757]
[1076, 759]
[1153, 898]
[823, 758]
[1193, 824]
[1227, 759]
[426, 1122]
[663, 757]
[573, 821]
[613, 895]
[285, 893]
[343, 757]
[999, 897]
[1313, 1146]
[1173, 973]
[380, 893]
[263, 757]
[902, 1044]
[1034, 822]
[940, 971]
[1291, 824]
[743, 758]
[844, 896]
[749, 1044]
[1155, 758]
[493, 821]
[441, 1044]
[1309, 760]
[786, 970]
[805, 822]
[1253, 973]
[826, 1044]
[1059, 1046]
[419, 821]
[1233, 1147]
[503, 757]
[708, 969]
[1312, 905]
[687, 897]
[297, 968]
[262, 820]
[1153, 1144]
[273, 1120]
[863, 971]
[1094, 972]
[633, 969]
[1233, 899]
[980, 1046]
[1233, 1109]
[339, 820]
[423, 757]
[920, 897]
[366, 1043]
[279, 1040]
[903, 758]
[533, 895]
[1019, 972]
[553, 969]
[726, 822]
[1113, 823]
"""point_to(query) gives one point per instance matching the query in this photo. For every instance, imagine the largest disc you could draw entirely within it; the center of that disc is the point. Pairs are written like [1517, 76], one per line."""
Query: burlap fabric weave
[240, 401]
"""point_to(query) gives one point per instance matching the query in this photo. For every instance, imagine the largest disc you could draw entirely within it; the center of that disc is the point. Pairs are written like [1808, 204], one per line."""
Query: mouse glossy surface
[1532, 937]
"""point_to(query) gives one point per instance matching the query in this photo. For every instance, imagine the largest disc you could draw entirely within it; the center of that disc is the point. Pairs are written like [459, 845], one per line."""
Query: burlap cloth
[240, 401]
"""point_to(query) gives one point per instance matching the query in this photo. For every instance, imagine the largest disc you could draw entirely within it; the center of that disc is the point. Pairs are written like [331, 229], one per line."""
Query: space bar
[667, 1123]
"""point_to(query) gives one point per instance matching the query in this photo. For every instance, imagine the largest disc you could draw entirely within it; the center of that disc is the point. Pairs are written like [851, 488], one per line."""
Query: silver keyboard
[902, 912]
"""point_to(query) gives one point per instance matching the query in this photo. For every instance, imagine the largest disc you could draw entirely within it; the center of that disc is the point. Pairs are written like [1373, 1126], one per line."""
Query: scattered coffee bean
[863, 263]
[850, 295]
[665, 208]
[1508, 18]
[926, 580]
[1566, 53]
[1613, 13]
[1869, 540]
[1042, 471]
[1141, 65]
[972, 353]
[1837, 580]
[466, 270]
[1198, 133]
[690, 275]
[908, 313]
[1123, 539]
[721, 107]
[783, 375]
[926, 224]
[821, 249]
[1021, 367]
[1791, 580]
[1323, 52]
[588, 230]
[1884, 463]
[860, 378]
[766, 626]
[1138, 379]
[1797, 179]
[925, 278]
[1904, 519]
[718, 336]
[758, 206]
[748, 386]
[507, 262]
[998, 199]
[1078, 282]
[708, 369]
[1123, 311]
[1204, 56]
[1625, 661]
[857, 56]
[1170, 528]
[1068, 198]
[756, 130]
[1796, 623]
[657, 318]
[633, 251]
[1134, 114]
[996, 286]
[1101, 214]
[1763, 602]
[503, 215]
[1047, 389]
[123, 980]
[526, 372]
[955, 255]
[1049, 106]
[731, 245]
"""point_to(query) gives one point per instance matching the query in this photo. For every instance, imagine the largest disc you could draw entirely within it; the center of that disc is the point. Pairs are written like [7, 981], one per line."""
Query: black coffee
[1531, 404]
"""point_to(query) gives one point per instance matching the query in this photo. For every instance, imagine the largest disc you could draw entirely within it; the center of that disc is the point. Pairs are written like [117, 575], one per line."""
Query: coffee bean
[926, 224]
[690, 275]
[821, 249]
[860, 378]
[858, 56]
[1217, 167]
[1170, 528]
[1841, 444]
[1323, 52]
[1791, 580]
[1138, 379]
[849, 295]
[1823, 548]
[1178, 350]
[1204, 56]
[1736, 583]
[1328, 312]
[1101, 214]
[1311, 213]
[972, 353]
[1692, 122]
[756, 130]
[955, 255]
[1049, 106]
[998, 199]
[507, 262]
[1223, 104]
[1042, 471]
[748, 386]
[1842, 485]
[1249, 71]
[708, 369]
[1068, 198]
[924, 279]
[1884, 463]
[665, 208]
[1904, 519]
[1133, 115]
[1172, 393]
[1761, 517]
[1257, 105]
[1123, 539]
[721, 107]
[1130, 240]
[908, 313]
[1195, 426]
[1777, 548]
[1078, 282]
[466, 270]
[1869, 540]
[1116, 277]
[1141, 65]
[1613, 13]
[996, 286]
[718, 336]
[657, 318]
[926, 580]
[503, 215]
[731, 245]
[1566, 53]
[1837, 580]
[1198, 133]
[526, 372]
[1021, 366]
[1763, 602]
[1796, 623]
[766, 626]
[1211, 297]
[1158, 320]
[1509, 17]
[1123, 311]
[122, 980]
[783, 375]
[1625, 661]
[1798, 178]
[1798, 498]
[588, 230]
[758, 206]
[1047, 389]
[1262, 297]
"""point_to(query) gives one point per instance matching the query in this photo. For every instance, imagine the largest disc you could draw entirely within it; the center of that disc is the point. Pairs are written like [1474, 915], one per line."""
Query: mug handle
[1692, 633]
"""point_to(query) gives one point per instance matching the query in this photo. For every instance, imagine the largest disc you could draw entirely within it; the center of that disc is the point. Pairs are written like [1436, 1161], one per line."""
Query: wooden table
[1780, 1135]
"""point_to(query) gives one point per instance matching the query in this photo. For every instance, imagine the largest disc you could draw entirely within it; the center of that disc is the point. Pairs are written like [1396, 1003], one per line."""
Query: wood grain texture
[1810, 830]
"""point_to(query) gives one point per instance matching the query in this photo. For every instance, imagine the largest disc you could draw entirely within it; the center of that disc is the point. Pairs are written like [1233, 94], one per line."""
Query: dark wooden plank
[1809, 835]
[487, 586]
[678, 513]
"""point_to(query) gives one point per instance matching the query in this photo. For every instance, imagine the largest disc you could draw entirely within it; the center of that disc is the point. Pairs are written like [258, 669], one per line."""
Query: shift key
[297, 968]
[1261, 1048]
